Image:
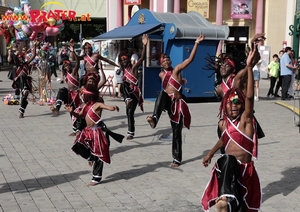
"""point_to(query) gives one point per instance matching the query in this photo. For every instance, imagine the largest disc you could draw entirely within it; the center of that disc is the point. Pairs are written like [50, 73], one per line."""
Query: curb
[290, 107]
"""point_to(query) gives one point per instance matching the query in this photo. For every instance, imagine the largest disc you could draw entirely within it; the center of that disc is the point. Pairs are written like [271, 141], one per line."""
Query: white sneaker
[58, 79]
[256, 98]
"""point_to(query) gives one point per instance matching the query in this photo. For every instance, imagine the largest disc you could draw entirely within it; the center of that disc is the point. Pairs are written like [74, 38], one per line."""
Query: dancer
[234, 184]
[93, 142]
[171, 100]
[70, 95]
[23, 80]
[91, 61]
[130, 89]
[232, 77]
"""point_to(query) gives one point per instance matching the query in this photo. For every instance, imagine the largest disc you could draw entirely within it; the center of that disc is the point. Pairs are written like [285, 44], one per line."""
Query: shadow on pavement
[286, 185]
[34, 184]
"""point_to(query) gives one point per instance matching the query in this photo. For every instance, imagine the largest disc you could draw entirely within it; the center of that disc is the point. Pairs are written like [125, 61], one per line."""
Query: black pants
[286, 81]
[130, 110]
[53, 70]
[162, 103]
[272, 85]
[62, 96]
[24, 83]
[278, 85]
[228, 182]
[177, 141]
[84, 152]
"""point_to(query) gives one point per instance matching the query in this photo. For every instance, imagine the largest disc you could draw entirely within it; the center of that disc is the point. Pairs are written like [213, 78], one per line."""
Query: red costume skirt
[94, 139]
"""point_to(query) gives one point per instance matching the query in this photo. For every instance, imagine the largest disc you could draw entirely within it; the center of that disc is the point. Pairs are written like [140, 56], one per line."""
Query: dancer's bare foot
[151, 121]
[21, 116]
[93, 183]
[128, 103]
[129, 137]
[174, 165]
[54, 110]
[221, 204]
[72, 134]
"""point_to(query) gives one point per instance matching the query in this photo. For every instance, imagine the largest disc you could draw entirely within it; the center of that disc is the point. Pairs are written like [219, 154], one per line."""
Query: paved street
[40, 173]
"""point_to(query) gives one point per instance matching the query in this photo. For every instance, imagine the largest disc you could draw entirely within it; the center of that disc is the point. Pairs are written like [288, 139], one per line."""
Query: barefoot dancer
[22, 80]
[171, 100]
[91, 61]
[93, 142]
[70, 95]
[130, 90]
[234, 184]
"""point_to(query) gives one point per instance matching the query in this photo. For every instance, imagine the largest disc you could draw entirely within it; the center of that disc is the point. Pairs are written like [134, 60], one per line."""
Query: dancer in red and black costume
[130, 89]
[93, 142]
[234, 185]
[232, 77]
[23, 80]
[71, 94]
[170, 99]
[91, 61]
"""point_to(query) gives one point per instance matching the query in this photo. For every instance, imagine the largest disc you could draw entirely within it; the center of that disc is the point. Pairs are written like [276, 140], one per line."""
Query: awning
[129, 32]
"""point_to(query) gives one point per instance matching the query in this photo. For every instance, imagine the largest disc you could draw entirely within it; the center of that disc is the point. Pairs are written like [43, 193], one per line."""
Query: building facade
[273, 17]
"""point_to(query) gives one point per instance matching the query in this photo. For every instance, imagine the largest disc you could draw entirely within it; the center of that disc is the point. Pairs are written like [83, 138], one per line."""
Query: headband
[67, 62]
[230, 62]
[124, 57]
[85, 91]
[163, 56]
[88, 45]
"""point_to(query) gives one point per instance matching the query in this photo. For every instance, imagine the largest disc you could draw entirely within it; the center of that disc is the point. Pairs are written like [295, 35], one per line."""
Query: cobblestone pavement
[40, 173]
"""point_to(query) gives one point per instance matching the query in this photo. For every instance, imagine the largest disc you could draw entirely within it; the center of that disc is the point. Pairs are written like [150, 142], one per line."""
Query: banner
[241, 9]
[132, 2]
[200, 6]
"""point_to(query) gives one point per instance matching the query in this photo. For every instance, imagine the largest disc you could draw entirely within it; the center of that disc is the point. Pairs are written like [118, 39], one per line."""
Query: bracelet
[197, 42]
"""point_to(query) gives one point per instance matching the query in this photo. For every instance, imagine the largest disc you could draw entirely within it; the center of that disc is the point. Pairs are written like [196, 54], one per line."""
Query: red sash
[233, 134]
[93, 115]
[22, 69]
[165, 80]
[226, 85]
[178, 108]
[72, 80]
[174, 83]
[74, 98]
[129, 77]
[88, 59]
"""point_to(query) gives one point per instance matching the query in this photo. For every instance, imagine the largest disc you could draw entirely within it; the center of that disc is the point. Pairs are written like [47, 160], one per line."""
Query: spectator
[120, 73]
[273, 71]
[256, 76]
[286, 69]
[135, 56]
[294, 63]
[297, 77]
[279, 79]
